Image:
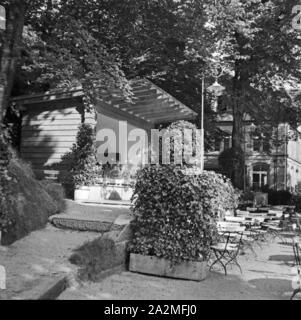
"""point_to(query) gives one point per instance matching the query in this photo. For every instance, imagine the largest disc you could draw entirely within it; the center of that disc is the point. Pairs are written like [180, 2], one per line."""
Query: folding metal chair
[227, 249]
[274, 229]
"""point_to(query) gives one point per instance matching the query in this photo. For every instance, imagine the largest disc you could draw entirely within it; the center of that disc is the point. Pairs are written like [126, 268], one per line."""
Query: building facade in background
[273, 162]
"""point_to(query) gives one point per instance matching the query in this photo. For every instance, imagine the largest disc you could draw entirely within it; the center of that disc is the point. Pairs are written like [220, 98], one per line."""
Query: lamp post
[217, 90]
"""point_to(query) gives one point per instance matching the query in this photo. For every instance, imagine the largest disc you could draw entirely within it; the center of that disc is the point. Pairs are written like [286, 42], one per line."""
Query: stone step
[65, 222]
[93, 218]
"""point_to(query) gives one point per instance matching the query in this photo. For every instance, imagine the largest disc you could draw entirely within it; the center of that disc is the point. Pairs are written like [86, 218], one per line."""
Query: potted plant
[174, 221]
[88, 183]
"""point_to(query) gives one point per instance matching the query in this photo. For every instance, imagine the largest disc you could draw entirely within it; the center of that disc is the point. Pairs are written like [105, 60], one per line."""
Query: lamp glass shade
[216, 89]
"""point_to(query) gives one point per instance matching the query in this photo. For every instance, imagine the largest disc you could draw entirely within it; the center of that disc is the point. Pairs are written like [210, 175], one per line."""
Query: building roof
[150, 104]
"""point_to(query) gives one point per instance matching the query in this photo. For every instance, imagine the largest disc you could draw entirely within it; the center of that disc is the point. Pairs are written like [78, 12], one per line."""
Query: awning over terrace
[150, 104]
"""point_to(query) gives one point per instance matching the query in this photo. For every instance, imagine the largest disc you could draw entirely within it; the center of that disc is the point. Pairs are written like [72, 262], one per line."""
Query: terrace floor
[266, 276]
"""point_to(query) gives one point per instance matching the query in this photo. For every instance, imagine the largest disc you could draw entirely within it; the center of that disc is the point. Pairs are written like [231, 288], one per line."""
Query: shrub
[296, 201]
[281, 197]
[83, 169]
[248, 196]
[97, 256]
[29, 205]
[174, 213]
[217, 193]
[57, 193]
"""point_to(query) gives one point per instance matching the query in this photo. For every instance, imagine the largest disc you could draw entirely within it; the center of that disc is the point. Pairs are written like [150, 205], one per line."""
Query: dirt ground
[266, 276]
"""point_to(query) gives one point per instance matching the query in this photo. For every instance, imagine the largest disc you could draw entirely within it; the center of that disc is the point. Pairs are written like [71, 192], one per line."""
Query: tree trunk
[10, 50]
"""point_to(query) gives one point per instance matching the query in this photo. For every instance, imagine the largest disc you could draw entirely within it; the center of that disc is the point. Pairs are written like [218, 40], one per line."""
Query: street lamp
[217, 90]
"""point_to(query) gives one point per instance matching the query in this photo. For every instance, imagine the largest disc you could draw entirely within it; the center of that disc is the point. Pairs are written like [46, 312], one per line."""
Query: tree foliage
[250, 45]
[260, 55]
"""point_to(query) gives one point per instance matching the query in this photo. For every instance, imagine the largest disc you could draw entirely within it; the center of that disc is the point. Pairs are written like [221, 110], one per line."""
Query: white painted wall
[123, 137]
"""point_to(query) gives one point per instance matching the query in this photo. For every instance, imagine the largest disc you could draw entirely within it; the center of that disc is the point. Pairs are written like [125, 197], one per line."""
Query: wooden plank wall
[48, 133]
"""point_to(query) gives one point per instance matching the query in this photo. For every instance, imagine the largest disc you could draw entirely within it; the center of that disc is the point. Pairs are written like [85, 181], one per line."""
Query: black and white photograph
[150, 153]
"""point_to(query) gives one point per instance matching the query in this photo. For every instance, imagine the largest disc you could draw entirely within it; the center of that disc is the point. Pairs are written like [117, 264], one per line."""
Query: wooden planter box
[190, 270]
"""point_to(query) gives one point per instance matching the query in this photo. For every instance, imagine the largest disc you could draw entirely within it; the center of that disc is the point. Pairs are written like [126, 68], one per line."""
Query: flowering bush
[174, 212]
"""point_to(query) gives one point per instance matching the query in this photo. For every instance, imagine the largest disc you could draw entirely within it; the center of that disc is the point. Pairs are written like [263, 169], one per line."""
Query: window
[256, 144]
[260, 144]
[260, 176]
[217, 145]
[266, 146]
[227, 142]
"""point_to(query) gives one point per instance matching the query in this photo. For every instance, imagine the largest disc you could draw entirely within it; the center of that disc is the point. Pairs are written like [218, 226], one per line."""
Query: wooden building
[51, 120]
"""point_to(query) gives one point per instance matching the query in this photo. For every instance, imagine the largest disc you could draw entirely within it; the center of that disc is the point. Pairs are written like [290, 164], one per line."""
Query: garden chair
[247, 226]
[274, 229]
[253, 225]
[228, 247]
[297, 280]
[257, 236]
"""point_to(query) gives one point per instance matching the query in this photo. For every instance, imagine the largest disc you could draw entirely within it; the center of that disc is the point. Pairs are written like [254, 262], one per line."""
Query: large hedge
[174, 212]
[281, 197]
